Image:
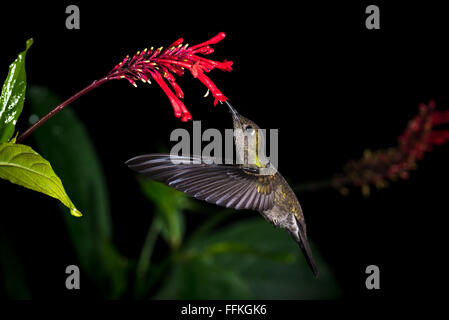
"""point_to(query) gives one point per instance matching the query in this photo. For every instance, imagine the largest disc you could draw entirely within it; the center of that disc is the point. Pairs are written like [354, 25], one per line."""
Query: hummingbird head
[248, 138]
[240, 122]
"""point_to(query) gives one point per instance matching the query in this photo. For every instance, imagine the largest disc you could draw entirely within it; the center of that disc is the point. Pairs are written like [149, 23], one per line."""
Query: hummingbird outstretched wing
[230, 186]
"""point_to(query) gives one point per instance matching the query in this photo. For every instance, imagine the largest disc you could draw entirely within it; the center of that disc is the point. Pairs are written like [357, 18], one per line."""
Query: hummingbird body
[253, 184]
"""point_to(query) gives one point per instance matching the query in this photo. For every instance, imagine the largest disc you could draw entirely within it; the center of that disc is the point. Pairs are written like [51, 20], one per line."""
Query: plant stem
[61, 106]
[147, 249]
[159, 271]
[204, 228]
[314, 185]
[141, 281]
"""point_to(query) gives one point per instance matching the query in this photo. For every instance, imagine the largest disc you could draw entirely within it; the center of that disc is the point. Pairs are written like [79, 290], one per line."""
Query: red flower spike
[441, 117]
[211, 86]
[205, 50]
[176, 43]
[212, 40]
[377, 167]
[159, 64]
[438, 137]
[178, 106]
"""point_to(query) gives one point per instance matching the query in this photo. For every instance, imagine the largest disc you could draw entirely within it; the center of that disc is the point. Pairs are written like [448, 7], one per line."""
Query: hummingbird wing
[230, 186]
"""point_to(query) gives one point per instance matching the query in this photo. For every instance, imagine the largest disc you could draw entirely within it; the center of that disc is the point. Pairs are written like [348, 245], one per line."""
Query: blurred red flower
[380, 166]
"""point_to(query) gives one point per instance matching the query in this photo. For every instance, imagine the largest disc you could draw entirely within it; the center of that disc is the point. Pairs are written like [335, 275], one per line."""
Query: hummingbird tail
[304, 245]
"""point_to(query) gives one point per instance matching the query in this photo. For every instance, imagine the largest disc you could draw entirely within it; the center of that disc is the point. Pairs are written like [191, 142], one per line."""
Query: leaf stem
[61, 106]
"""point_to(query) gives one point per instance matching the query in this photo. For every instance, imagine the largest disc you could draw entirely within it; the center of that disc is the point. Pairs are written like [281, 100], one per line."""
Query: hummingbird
[252, 184]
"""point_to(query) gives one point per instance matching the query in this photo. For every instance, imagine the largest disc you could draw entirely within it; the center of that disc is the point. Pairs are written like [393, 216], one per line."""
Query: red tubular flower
[440, 117]
[438, 137]
[381, 166]
[162, 64]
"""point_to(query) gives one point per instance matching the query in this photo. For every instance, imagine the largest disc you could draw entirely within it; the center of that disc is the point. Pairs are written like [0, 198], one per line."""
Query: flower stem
[314, 185]
[61, 106]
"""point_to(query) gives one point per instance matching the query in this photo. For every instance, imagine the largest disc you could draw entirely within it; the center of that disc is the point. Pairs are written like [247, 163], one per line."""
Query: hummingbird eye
[249, 129]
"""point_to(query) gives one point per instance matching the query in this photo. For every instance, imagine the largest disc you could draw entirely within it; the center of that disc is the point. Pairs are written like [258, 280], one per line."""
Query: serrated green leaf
[23, 166]
[13, 95]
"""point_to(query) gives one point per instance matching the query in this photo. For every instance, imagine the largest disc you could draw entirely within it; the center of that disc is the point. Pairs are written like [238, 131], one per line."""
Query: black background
[330, 86]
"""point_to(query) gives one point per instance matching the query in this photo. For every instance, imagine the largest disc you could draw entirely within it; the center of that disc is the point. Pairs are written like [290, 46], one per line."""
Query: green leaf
[249, 259]
[13, 95]
[23, 166]
[170, 204]
[65, 142]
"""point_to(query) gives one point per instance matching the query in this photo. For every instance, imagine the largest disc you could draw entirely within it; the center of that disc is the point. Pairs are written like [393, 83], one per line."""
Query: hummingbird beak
[234, 112]
[231, 108]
